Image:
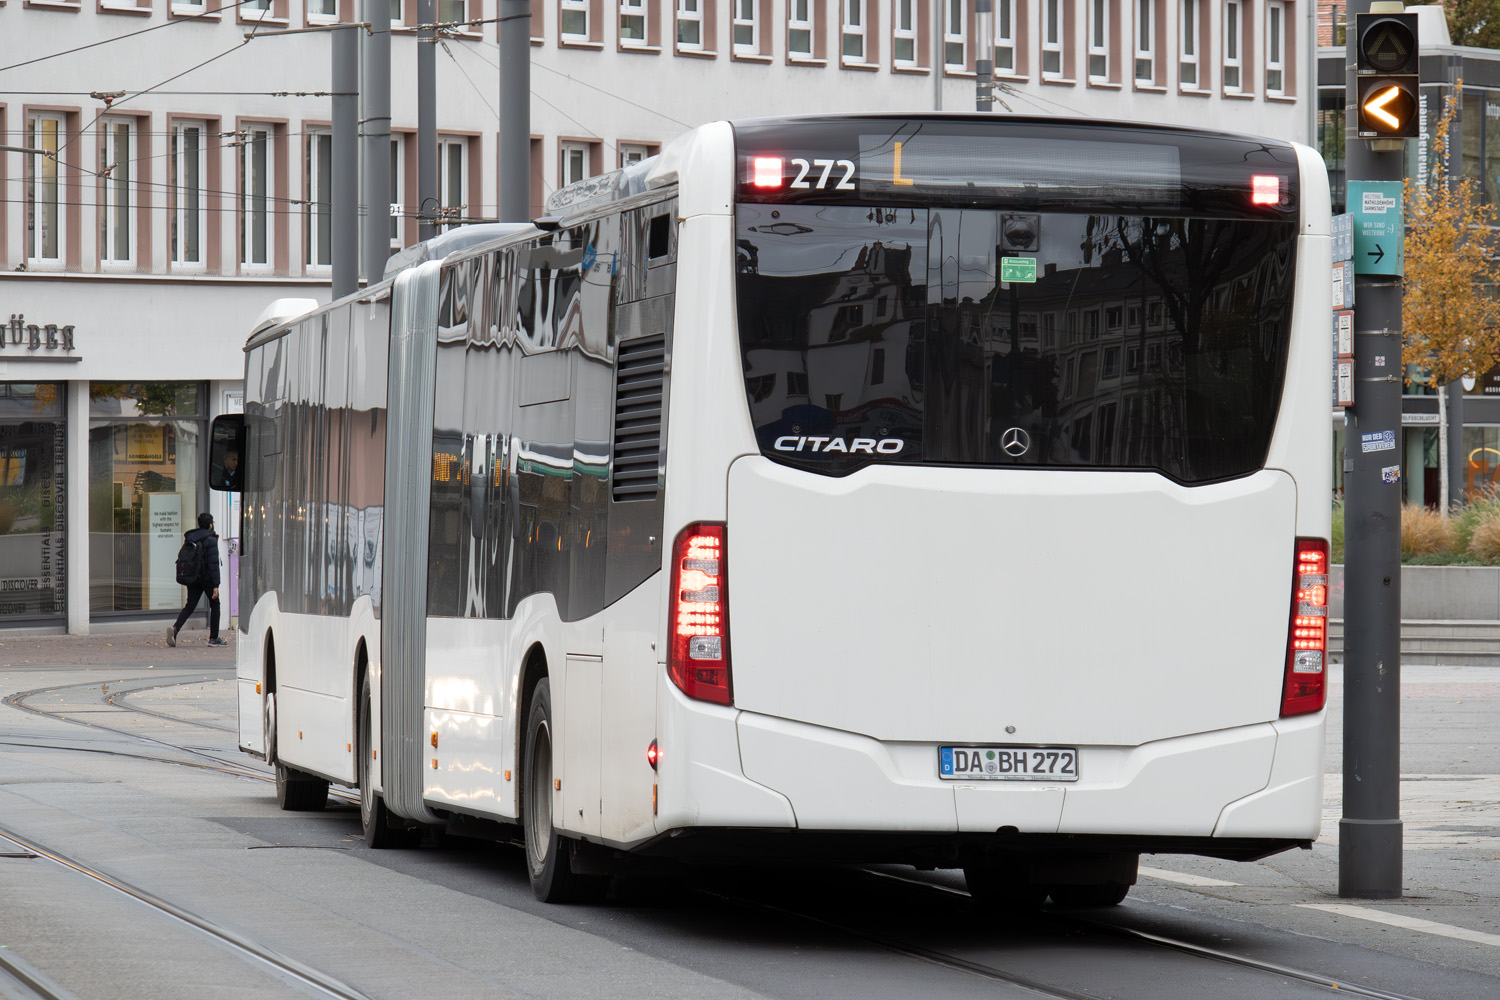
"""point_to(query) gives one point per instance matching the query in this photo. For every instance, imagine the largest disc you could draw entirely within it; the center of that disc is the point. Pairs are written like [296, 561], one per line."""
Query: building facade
[167, 173]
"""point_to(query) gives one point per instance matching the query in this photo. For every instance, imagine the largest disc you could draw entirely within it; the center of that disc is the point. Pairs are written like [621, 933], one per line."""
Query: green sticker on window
[1018, 269]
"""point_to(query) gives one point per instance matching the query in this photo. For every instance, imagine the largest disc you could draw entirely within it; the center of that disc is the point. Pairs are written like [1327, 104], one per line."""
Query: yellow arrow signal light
[1387, 108]
[1376, 106]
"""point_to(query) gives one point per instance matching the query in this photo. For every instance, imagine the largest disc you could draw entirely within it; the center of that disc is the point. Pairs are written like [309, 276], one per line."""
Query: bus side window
[659, 238]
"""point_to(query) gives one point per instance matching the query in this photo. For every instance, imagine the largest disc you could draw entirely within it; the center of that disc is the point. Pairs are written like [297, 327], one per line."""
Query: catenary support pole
[984, 55]
[377, 139]
[515, 111]
[344, 212]
[1370, 832]
[427, 147]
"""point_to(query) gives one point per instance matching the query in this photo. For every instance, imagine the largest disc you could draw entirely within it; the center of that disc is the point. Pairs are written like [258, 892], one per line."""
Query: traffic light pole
[1370, 831]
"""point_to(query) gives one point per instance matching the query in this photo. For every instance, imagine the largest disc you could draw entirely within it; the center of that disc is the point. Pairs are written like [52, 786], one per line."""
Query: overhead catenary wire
[207, 15]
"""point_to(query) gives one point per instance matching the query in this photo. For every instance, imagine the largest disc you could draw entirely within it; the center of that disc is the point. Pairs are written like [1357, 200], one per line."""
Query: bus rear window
[982, 337]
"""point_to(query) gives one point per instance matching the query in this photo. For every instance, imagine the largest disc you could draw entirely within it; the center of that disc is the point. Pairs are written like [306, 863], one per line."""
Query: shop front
[105, 404]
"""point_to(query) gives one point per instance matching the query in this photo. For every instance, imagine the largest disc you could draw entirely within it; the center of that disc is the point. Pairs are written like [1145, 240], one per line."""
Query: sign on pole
[1379, 235]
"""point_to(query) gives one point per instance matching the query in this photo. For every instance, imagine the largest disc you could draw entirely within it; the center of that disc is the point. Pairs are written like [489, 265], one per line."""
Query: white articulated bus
[943, 489]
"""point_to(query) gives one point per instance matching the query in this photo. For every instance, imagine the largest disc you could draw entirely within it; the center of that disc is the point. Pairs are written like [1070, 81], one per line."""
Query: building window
[633, 23]
[322, 11]
[905, 35]
[573, 163]
[145, 485]
[319, 249]
[117, 156]
[255, 10]
[1276, 48]
[573, 20]
[852, 31]
[747, 31]
[397, 208]
[1145, 41]
[631, 152]
[33, 513]
[453, 179]
[45, 206]
[1233, 39]
[189, 7]
[690, 25]
[799, 29]
[1053, 31]
[1099, 40]
[955, 35]
[1005, 36]
[1187, 25]
[256, 191]
[189, 165]
[454, 12]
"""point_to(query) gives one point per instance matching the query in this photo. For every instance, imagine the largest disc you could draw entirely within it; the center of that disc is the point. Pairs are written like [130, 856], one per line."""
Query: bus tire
[548, 854]
[1093, 894]
[382, 830]
[295, 791]
[1003, 887]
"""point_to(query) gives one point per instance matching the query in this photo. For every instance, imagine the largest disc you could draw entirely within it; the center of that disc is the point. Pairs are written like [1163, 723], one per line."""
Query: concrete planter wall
[1431, 593]
[1449, 615]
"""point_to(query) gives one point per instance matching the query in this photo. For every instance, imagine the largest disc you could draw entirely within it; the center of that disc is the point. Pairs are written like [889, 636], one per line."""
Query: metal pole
[377, 133]
[1458, 458]
[984, 55]
[1370, 832]
[344, 220]
[427, 166]
[514, 157]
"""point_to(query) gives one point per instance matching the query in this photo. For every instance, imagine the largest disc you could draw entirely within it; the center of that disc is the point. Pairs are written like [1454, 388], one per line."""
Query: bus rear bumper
[1262, 782]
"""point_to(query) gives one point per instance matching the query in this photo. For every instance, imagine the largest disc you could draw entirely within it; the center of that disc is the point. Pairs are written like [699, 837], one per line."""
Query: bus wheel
[295, 791]
[548, 855]
[1003, 887]
[1094, 894]
[382, 830]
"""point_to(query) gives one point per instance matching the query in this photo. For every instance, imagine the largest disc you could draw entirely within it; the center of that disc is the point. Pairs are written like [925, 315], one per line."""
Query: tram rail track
[327, 986]
[243, 945]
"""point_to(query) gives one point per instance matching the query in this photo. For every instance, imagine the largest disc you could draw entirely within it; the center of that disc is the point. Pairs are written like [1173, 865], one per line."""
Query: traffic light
[1387, 81]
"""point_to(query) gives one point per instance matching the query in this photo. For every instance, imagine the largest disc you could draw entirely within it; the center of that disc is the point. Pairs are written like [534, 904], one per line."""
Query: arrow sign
[1378, 224]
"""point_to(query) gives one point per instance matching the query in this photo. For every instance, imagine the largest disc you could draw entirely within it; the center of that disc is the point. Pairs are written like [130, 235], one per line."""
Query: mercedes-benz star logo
[1015, 442]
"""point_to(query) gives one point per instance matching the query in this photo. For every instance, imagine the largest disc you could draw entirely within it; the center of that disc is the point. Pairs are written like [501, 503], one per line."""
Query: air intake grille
[640, 386]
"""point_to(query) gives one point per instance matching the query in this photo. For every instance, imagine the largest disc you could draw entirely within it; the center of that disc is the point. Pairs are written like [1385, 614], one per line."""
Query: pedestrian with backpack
[198, 570]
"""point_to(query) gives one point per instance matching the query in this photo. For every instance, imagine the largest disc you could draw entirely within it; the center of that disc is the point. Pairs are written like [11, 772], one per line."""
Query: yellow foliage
[1450, 317]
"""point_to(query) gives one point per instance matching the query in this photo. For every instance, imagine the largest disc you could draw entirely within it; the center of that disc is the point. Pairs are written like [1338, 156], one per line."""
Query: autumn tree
[1474, 22]
[1450, 317]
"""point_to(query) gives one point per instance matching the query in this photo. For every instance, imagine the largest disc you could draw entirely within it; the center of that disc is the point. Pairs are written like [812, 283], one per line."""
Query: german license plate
[998, 763]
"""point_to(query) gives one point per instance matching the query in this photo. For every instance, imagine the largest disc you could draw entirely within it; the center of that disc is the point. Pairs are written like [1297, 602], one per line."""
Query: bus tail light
[698, 650]
[1305, 686]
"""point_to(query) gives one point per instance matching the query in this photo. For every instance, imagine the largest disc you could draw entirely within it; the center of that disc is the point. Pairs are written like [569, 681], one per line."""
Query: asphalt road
[113, 792]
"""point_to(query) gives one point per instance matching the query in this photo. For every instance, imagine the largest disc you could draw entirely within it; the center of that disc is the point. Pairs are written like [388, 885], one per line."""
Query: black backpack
[189, 563]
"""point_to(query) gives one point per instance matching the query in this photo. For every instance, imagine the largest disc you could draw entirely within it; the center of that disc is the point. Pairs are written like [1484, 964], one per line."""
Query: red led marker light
[1304, 687]
[767, 172]
[698, 646]
[653, 755]
[1265, 189]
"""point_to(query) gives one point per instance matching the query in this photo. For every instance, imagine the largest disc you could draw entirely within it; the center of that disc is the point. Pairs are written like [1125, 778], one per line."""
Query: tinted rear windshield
[1015, 335]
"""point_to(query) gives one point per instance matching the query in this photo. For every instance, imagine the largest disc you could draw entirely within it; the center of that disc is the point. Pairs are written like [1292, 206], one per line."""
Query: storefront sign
[21, 335]
[145, 443]
[1487, 384]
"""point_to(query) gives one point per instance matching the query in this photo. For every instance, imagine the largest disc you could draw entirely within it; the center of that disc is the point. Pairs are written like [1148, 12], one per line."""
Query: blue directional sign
[1379, 229]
